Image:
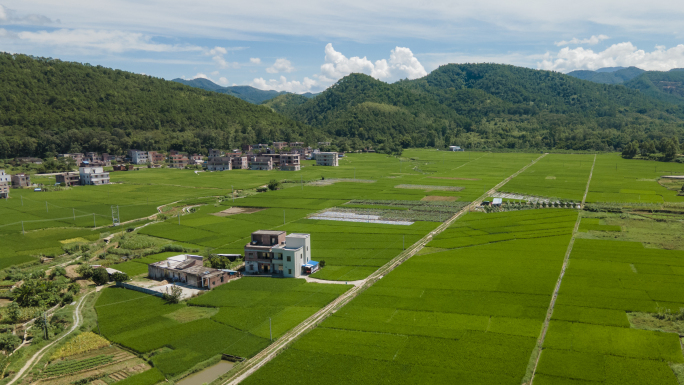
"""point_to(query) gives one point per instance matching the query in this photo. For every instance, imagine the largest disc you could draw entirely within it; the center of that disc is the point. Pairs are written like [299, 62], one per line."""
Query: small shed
[497, 202]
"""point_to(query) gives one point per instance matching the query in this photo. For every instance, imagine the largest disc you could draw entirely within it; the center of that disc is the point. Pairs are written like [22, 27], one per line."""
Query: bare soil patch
[446, 177]
[238, 210]
[437, 198]
[71, 271]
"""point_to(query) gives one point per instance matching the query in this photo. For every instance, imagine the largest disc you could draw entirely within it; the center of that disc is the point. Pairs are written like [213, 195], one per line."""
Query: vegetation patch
[429, 187]
[82, 343]
[192, 313]
[663, 320]
[437, 198]
[237, 210]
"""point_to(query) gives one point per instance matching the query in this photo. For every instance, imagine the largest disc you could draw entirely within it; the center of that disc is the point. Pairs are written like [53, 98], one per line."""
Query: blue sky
[308, 45]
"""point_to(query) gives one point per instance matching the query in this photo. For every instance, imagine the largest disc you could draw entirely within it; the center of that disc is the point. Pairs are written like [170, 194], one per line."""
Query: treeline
[483, 106]
[49, 107]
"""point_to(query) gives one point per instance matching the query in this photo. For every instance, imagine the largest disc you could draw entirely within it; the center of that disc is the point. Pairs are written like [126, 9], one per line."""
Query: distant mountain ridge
[246, 93]
[667, 86]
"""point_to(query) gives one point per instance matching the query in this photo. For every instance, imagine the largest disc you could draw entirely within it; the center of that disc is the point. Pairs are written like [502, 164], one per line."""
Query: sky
[308, 45]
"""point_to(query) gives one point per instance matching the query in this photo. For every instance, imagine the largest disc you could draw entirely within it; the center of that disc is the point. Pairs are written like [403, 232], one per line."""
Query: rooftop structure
[327, 159]
[189, 269]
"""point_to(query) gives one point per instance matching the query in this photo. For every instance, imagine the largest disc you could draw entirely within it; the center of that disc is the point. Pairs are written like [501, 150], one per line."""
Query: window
[221, 279]
[289, 259]
[289, 271]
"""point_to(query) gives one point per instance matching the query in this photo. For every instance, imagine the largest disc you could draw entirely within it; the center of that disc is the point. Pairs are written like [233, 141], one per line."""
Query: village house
[279, 145]
[21, 180]
[138, 157]
[213, 153]
[278, 254]
[29, 160]
[68, 178]
[289, 162]
[296, 144]
[455, 148]
[327, 159]
[190, 270]
[5, 181]
[260, 163]
[155, 157]
[239, 162]
[77, 157]
[178, 161]
[220, 163]
[93, 176]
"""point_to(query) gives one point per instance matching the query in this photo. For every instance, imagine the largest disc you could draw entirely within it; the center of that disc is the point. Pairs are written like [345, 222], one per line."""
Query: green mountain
[608, 75]
[50, 106]
[486, 106]
[665, 86]
[246, 93]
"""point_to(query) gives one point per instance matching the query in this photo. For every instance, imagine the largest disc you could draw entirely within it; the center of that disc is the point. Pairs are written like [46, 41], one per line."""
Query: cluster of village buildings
[273, 253]
[284, 156]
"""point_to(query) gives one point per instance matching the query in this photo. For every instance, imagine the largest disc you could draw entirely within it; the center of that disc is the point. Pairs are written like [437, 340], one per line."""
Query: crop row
[71, 366]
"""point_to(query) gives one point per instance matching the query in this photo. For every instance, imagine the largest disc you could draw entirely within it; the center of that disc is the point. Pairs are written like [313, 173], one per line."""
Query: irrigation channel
[246, 368]
[536, 353]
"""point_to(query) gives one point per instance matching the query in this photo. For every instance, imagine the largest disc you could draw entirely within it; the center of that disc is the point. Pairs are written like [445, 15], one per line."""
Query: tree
[13, 312]
[43, 324]
[630, 150]
[647, 148]
[172, 294]
[119, 277]
[85, 271]
[670, 149]
[274, 185]
[100, 276]
[9, 342]
[322, 263]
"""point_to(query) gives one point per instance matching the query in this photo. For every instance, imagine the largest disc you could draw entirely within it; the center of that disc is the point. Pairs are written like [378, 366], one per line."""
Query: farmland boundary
[250, 366]
[566, 259]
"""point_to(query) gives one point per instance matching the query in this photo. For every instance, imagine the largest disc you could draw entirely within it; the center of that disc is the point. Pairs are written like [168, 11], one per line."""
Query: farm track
[552, 304]
[39, 354]
[250, 366]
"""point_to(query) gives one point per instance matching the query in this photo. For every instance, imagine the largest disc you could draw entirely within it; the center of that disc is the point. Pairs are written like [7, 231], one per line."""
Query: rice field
[469, 314]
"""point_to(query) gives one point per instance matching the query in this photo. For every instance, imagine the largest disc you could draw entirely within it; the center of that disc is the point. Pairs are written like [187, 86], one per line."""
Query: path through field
[39, 354]
[253, 364]
[549, 313]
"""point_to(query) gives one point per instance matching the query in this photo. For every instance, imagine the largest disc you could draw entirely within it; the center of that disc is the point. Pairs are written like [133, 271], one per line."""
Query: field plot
[464, 316]
[627, 180]
[555, 176]
[589, 340]
[238, 325]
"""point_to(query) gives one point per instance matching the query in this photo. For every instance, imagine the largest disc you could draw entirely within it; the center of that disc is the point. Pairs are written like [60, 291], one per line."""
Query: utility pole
[178, 219]
[270, 329]
[22, 228]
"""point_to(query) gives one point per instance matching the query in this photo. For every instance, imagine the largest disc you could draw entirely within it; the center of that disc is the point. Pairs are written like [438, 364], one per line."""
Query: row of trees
[668, 147]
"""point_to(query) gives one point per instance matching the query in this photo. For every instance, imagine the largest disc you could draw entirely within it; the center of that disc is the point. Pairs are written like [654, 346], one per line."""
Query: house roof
[268, 232]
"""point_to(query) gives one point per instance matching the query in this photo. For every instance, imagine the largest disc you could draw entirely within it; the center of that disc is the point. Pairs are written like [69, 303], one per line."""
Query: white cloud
[623, 55]
[283, 84]
[223, 63]
[280, 65]
[593, 40]
[3, 13]
[401, 64]
[11, 17]
[255, 60]
[223, 81]
[111, 41]
[215, 73]
[218, 51]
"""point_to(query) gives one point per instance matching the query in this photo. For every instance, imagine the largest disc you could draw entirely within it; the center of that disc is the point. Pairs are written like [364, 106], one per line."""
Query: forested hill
[487, 106]
[49, 106]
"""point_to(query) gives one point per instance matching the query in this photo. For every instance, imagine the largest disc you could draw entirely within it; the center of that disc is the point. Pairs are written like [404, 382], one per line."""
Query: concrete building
[21, 180]
[68, 178]
[94, 157]
[138, 157]
[260, 163]
[296, 144]
[190, 270]
[29, 160]
[77, 157]
[213, 153]
[5, 182]
[455, 148]
[239, 162]
[289, 162]
[155, 157]
[220, 163]
[178, 161]
[280, 255]
[279, 145]
[327, 159]
[93, 176]
[323, 144]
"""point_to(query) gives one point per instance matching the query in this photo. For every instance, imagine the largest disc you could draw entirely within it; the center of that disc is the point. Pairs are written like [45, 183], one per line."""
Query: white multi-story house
[5, 183]
[278, 254]
[220, 163]
[326, 159]
[93, 175]
[138, 157]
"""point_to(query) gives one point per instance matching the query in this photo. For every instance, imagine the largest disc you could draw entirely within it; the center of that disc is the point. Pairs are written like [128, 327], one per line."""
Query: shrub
[120, 277]
[274, 185]
[85, 271]
[9, 342]
[173, 294]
